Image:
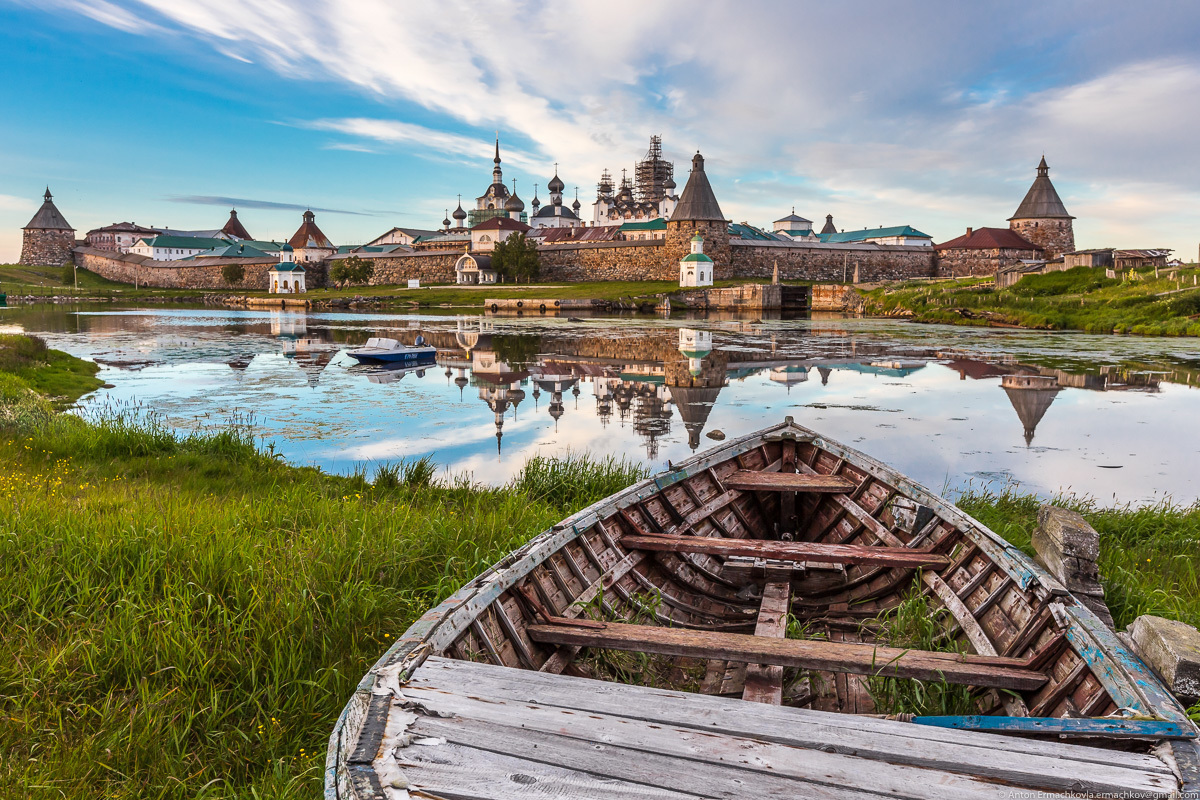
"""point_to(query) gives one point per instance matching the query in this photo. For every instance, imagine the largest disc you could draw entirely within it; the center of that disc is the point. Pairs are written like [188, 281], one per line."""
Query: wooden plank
[788, 521]
[965, 619]
[567, 738]
[467, 773]
[859, 659]
[614, 762]
[789, 551]
[1111, 727]
[787, 482]
[764, 682]
[993, 756]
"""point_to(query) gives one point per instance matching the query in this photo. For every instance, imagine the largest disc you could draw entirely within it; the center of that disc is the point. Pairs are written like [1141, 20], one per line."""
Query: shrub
[351, 270]
[233, 274]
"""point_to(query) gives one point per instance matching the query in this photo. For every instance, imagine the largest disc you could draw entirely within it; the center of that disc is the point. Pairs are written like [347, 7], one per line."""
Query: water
[1114, 418]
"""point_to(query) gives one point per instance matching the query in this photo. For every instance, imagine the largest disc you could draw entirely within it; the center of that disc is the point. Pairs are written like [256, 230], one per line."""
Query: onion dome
[287, 248]
[576, 205]
[669, 184]
[446, 221]
[459, 214]
[556, 184]
[514, 204]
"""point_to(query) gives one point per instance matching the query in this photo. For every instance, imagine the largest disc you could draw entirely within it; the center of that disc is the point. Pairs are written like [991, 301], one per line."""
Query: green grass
[184, 615]
[1077, 299]
[42, 281]
[61, 377]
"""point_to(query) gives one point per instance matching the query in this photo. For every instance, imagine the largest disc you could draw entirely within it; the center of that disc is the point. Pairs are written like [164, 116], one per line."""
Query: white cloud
[405, 133]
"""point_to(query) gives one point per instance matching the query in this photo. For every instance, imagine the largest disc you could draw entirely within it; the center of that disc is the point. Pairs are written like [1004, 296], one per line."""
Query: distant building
[286, 277]
[1042, 218]
[794, 227]
[1102, 257]
[48, 239]
[490, 204]
[472, 270]
[162, 247]
[404, 236]
[984, 251]
[309, 243]
[120, 237]
[651, 195]
[486, 234]
[554, 214]
[696, 269]
[829, 227]
[637, 231]
[698, 213]
[1136, 259]
[896, 235]
[234, 228]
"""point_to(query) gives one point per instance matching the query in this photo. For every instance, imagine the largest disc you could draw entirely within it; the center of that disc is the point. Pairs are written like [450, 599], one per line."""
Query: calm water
[1112, 417]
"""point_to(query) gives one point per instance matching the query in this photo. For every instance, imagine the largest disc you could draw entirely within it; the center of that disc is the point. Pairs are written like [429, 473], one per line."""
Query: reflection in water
[922, 397]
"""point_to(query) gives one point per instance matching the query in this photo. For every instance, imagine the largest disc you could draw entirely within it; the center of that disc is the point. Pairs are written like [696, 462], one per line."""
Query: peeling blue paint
[1102, 726]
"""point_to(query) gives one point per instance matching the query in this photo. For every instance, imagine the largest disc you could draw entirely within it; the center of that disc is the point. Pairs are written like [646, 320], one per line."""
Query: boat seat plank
[1021, 761]
[764, 682]
[564, 737]
[789, 551]
[859, 659]
[788, 482]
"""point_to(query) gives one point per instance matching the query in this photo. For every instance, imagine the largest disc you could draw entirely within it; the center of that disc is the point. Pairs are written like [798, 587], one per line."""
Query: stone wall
[399, 268]
[716, 245]
[41, 247]
[814, 262]
[961, 262]
[1057, 236]
[607, 261]
[201, 273]
[749, 297]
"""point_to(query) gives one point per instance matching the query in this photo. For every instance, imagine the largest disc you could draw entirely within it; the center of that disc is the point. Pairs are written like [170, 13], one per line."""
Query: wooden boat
[721, 630]
[381, 350]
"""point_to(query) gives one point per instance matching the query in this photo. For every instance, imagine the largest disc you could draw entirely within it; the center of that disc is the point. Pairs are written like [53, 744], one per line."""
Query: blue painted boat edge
[1088, 726]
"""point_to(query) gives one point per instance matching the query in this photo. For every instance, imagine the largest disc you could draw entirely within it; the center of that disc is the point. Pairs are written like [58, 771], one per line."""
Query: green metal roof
[873, 233]
[231, 250]
[287, 266]
[742, 230]
[185, 242]
[697, 257]
[659, 224]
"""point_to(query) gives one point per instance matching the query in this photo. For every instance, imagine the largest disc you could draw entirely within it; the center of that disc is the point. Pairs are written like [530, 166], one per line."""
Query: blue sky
[380, 112]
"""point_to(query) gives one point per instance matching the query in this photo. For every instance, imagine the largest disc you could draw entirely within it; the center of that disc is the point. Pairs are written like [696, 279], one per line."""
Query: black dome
[556, 184]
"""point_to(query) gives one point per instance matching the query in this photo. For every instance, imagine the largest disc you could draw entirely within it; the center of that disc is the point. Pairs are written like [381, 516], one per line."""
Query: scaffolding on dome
[652, 172]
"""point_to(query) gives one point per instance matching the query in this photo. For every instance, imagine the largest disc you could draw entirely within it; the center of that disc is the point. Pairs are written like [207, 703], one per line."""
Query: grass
[184, 615]
[18, 279]
[1078, 299]
[61, 377]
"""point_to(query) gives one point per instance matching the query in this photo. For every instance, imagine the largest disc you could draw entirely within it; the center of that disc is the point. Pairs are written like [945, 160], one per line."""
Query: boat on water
[724, 629]
[381, 350]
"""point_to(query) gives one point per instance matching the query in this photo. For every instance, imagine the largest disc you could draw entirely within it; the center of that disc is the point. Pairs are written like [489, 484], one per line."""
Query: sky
[379, 113]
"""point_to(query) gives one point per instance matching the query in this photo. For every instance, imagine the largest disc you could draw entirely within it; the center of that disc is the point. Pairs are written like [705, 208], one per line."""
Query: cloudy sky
[380, 112]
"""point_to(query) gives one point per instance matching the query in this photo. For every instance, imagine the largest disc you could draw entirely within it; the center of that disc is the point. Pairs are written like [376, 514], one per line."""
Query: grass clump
[1081, 299]
[183, 615]
[915, 624]
[61, 377]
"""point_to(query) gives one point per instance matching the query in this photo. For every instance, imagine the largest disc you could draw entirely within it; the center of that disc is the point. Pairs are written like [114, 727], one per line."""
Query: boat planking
[699, 571]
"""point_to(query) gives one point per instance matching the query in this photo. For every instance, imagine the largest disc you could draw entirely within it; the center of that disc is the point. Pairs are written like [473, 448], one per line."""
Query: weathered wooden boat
[721, 630]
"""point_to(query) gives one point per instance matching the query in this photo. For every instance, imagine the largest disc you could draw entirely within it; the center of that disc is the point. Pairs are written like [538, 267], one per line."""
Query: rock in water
[716, 435]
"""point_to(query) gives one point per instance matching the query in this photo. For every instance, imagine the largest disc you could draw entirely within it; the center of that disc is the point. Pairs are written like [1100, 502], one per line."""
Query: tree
[517, 258]
[233, 273]
[351, 270]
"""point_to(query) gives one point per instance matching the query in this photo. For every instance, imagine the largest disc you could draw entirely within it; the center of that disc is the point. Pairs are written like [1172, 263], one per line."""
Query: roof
[287, 266]
[829, 226]
[265, 245]
[696, 257]
[794, 217]
[239, 250]
[234, 226]
[744, 230]
[697, 201]
[123, 227]
[1157, 253]
[481, 262]
[48, 217]
[309, 235]
[658, 224]
[501, 223]
[184, 242]
[989, 239]
[866, 234]
[206, 234]
[1042, 200]
[548, 210]
[599, 233]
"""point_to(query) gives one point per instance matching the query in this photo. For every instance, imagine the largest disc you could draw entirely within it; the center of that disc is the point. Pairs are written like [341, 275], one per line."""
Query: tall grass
[182, 615]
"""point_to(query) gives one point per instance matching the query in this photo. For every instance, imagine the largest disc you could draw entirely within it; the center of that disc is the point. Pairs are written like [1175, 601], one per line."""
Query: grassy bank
[19, 280]
[184, 615]
[1078, 299]
[26, 362]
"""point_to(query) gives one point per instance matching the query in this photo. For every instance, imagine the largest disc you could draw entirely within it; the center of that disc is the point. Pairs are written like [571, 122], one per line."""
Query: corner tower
[697, 213]
[1042, 218]
[48, 239]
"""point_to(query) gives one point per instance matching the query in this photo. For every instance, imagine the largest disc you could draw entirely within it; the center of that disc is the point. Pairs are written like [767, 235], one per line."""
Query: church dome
[576, 205]
[514, 204]
[556, 184]
[459, 214]
[446, 222]
[669, 184]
